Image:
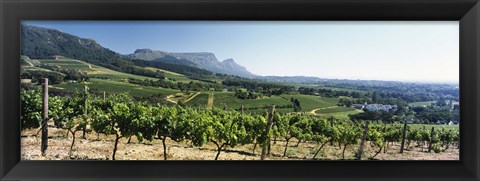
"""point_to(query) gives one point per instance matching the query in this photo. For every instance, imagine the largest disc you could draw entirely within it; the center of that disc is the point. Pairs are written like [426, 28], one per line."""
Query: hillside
[44, 43]
[104, 79]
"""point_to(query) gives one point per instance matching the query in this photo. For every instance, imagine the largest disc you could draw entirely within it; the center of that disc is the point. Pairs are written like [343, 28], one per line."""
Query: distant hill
[203, 60]
[291, 79]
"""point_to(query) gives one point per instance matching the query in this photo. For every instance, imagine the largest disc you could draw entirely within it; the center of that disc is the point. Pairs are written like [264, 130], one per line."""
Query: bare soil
[101, 148]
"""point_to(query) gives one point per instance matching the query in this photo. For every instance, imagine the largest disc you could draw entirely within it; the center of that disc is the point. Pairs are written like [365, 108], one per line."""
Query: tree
[286, 128]
[172, 123]
[319, 130]
[345, 101]
[121, 116]
[375, 97]
[376, 138]
[255, 127]
[348, 135]
[413, 135]
[69, 114]
[393, 134]
[227, 131]
[296, 105]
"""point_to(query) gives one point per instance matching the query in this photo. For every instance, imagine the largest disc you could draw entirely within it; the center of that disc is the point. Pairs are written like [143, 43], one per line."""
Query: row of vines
[122, 117]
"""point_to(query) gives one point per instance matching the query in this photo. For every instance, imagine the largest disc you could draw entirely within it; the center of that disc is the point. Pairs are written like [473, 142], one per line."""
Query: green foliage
[182, 86]
[414, 135]
[257, 86]
[30, 109]
[334, 110]
[345, 101]
[393, 133]
[117, 87]
[241, 94]
[37, 76]
[437, 148]
[296, 105]
[121, 116]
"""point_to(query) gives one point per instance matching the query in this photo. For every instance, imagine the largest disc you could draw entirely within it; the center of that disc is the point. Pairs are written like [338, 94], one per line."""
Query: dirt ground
[92, 148]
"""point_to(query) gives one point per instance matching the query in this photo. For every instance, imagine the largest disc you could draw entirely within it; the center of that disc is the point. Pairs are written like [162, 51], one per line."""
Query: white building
[380, 107]
[358, 106]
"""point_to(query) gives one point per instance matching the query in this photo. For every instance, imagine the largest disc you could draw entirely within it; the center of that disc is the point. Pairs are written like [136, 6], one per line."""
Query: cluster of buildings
[375, 107]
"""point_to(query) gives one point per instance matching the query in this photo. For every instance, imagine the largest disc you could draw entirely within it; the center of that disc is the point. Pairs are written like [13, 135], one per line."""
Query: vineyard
[85, 117]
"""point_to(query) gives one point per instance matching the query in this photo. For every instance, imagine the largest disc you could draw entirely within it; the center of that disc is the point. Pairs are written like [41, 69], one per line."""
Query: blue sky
[395, 50]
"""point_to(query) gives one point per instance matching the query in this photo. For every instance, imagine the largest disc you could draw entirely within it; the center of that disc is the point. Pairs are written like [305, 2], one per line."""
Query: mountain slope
[203, 60]
[43, 43]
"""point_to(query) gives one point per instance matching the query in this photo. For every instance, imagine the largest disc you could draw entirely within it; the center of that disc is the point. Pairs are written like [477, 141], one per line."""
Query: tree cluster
[70, 74]
[191, 86]
[296, 105]
[264, 88]
[242, 94]
[37, 76]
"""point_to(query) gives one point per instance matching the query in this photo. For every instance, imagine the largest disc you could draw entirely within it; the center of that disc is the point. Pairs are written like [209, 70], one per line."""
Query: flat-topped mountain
[203, 60]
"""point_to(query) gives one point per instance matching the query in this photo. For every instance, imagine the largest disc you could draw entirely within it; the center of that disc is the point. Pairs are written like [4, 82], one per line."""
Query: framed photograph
[239, 90]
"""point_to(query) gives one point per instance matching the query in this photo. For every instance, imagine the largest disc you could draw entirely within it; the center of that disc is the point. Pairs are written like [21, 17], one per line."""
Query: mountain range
[203, 60]
[41, 43]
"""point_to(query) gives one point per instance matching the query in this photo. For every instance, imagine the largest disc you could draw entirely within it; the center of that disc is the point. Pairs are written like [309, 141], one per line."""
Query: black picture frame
[467, 12]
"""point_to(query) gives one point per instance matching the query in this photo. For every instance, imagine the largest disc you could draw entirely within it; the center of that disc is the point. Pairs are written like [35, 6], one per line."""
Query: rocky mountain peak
[229, 60]
[202, 60]
[143, 50]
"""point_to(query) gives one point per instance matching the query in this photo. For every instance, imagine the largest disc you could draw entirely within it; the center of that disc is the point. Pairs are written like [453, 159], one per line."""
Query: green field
[172, 76]
[111, 86]
[340, 115]
[228, 98]
[93, 70]
[199, 100]
[310, 102]
[36, 69]
[334, 110]
[110, 81]
[307, 102]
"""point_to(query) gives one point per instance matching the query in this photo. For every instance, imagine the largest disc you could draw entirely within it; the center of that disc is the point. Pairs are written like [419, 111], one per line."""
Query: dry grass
[92, 148]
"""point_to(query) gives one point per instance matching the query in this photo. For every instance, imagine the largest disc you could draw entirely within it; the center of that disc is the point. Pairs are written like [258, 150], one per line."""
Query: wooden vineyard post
[210, 101]
[85, 99]
[44, 144]
[403, 136]
[384, 138]
[331, 125]
[271, 111]
[431, 139]
[104, 97]
[241, 109]
[360, 150]
[85, 92]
